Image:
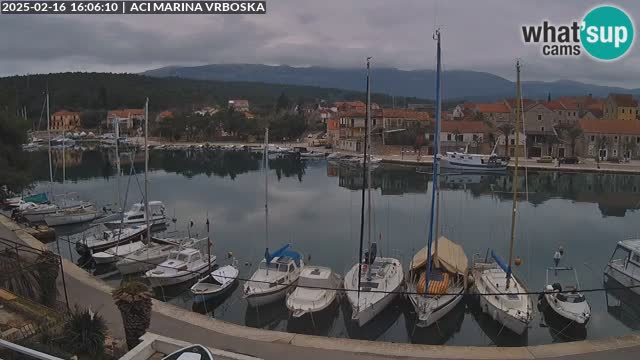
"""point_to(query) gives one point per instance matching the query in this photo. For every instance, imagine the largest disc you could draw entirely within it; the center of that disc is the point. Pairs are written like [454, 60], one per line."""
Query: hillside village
[583, 126]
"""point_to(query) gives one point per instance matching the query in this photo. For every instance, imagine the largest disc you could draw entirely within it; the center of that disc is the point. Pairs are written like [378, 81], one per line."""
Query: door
[602, 154]
[560, 152]
[536, 152]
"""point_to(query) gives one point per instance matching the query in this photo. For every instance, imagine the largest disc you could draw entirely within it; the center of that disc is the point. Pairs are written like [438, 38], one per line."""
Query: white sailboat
[504, 300]
[374, 282]
[279, 270]
[110, 238]
[437, 276]
[137, 215]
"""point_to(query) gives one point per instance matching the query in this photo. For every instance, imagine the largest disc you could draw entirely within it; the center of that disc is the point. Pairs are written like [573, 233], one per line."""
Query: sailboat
[437, 276]
[504, 300]
[279, 270]
[373, 282]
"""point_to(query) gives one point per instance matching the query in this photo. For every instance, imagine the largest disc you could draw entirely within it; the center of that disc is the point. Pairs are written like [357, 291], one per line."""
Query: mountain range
[457, 84]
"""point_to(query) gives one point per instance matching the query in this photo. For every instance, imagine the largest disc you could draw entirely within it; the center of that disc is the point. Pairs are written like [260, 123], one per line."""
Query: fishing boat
[181, 266]
[276, 274]
[110, 238]
[116, 253]
[506, 300]
[564, 297]
[137, 215]
[215, 283]
[472, 162]
[436, 281]
[375, 281]
[315, 292]
[624, 264]
[192, 352]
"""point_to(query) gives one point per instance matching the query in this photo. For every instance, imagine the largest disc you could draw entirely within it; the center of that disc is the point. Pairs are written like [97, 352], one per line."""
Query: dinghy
[215, 284]
[564, 298]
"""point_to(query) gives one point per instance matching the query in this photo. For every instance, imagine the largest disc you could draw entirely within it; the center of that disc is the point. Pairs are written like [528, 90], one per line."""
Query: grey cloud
[338, 33]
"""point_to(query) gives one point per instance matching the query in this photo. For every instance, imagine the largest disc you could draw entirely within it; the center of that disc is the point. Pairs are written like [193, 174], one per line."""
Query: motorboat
[624, 264]
[181, 266]
[110, 238]
[216, 283]
[192, 352]
[472, 162]
[507, 303]
[372, 285]
[316, 291]
[564, 297]
[152, 254]
[275, 275]
[116, 253]
[447, 281]
[137, 215]
[76, 215]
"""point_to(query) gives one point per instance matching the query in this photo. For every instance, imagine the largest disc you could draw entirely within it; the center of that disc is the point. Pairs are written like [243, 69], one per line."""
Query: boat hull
[263, 298]
[53, 220]
[370, 312]
[428, 318]
[577, 318]
[134, 267]
[162, 281]
[448, 164]
[623, 278]
[154, 222]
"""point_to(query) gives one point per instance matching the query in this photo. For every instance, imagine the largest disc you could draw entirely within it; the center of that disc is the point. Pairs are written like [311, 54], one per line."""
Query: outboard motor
[370, 256]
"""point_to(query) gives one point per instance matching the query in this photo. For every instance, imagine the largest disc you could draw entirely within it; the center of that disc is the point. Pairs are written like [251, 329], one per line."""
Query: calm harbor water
[315, 206]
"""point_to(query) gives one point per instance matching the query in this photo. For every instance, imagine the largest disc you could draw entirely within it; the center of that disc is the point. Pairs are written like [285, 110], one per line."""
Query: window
[513, 141]
[638, 140]
[449, 137]
[432, 137]
[560, 112]
[622, 110]
[593, 138]
[374, 122]
[542, 128]
[615, 139]
[539, 117]
[574, 113]
[615, 152]
[475, 137]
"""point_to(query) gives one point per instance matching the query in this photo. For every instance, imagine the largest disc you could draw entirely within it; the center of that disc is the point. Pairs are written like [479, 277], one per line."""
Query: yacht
[181, 266]
[624, 264]
[276, 273]
[137, 215]
[316, 291]
[564, 297]
[216, 283]
[110, 238]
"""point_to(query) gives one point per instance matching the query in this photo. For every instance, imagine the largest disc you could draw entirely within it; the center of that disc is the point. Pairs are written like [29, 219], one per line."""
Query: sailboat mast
[365, 166]
[116, 124]
[64, 140]
[515, 174]
[434, 188]
[49, 142]
[266, 189]
[146, 169]
[368, 160]
[436, 180]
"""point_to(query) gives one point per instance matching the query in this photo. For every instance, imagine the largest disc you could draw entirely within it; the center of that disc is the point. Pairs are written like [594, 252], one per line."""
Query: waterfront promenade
[174, 322]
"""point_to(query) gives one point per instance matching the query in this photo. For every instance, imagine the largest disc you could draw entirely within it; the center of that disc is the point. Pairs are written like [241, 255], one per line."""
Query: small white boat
[137, 215]
[181, 266]
[110, 238]
[505, 305]
[624, 264]
[76, 215]
[276, 273]
[192, 352]
[564, 298]
[36, 212]
[312, 155]
[116, 253]
[316, 291]
[152, 254]
[216, 283]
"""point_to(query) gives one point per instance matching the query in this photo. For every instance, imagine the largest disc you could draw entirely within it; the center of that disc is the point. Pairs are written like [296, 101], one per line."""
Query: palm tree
[573, 133]
[134, 301]
[48, 269]
[506, 130]
[18, 276]
[84, 333]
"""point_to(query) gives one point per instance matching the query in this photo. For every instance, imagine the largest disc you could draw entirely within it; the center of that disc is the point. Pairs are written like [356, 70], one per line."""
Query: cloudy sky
[477, 35]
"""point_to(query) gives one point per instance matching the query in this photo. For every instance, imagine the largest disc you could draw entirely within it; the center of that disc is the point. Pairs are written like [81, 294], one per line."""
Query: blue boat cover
[283, 251]
[39, 198]
[499, 261]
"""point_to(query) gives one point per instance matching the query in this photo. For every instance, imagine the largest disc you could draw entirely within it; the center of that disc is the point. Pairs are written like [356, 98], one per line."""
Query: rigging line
[591, 290]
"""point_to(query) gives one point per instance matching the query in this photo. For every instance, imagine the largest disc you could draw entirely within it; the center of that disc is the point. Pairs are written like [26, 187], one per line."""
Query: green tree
[14, 167]
[572, 133]
[133, 299]
[282, 103]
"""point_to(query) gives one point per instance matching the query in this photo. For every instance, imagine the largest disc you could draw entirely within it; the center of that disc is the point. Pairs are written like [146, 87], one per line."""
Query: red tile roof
[464, 127]
[525, 102]
[65, 113]
[165, 114]
[622, 127]
[625, 100]
[554, 105]
[492, 108]
[405, 114]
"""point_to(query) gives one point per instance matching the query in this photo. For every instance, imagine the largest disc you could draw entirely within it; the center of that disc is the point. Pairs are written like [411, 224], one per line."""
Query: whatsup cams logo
[605, 33]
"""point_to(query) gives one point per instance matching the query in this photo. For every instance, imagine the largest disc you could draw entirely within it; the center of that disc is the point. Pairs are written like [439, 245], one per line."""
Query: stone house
[64, 120]
[621, 106]
[609, 139]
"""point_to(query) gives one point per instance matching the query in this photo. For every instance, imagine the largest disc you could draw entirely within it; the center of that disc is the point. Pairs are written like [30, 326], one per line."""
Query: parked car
[545, 159]
[569, 160]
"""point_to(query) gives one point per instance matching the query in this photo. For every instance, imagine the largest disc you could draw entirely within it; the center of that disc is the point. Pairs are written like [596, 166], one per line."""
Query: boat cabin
[137, 210]
[317, 277]
[283, 264]
[626, 258]
[186, 256]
